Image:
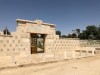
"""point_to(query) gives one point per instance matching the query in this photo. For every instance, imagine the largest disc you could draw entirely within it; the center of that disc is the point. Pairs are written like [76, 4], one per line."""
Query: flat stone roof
[35, 21]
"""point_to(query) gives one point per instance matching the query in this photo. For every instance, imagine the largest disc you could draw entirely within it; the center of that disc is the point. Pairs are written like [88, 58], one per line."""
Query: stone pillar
[43, 56]
[80, 53]
[73, 54]
[65, 54]
[30, 58]
[86, 52]
[93, 52]
[54, 55]
[13, 59]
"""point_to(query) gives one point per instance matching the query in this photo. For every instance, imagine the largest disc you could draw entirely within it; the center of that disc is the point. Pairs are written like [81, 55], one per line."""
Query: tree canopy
[91, 32]
[58, 33]
[6, 31]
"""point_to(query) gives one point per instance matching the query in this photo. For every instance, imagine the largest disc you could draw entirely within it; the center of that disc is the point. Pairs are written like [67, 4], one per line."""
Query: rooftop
[35, 21]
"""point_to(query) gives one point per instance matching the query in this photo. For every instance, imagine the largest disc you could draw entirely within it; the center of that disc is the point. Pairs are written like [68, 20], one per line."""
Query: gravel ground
[83, 66]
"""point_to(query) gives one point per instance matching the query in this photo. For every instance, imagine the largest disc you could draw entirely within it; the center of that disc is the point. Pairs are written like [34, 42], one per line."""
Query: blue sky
[66, 14]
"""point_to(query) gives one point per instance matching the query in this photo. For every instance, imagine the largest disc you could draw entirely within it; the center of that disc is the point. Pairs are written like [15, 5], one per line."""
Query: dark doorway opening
[37, 43]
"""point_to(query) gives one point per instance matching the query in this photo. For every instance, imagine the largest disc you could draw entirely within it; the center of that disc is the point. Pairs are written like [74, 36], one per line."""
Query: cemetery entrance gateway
[37, 43]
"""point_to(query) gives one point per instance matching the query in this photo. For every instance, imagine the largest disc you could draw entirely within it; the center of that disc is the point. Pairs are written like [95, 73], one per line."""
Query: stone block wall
[16, 48]
[14, 44]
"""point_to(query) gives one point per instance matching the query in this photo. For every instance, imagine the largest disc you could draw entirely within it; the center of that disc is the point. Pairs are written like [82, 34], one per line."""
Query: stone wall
[14, 44]
[16, 48]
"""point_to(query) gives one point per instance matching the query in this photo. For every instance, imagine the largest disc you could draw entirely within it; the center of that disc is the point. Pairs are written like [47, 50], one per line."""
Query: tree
[69, 36]
[58, 33]
[74, 35]
[98, 35]
[82, 36]
[77, 32]
[64, 36]
[90, 32]
[6, 31]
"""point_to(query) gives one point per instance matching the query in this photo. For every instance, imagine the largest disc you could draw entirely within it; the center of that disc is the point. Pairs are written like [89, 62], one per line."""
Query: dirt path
[84, 66]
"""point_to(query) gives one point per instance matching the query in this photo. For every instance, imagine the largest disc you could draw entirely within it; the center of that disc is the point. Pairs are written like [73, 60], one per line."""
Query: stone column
[86, 52]
[54, 55]
[29, 58]
[65, 54]
[73, 54]
[13, 59]
[93, 52]
[43, 56]
[80, 53]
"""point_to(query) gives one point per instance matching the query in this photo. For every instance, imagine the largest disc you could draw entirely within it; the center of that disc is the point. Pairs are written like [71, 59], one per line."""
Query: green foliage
[91, 32]
[64, 36]
[58, 33]
[40, 44]
[74, 35]
[69, 36]
[6, 31]
[78, 31]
